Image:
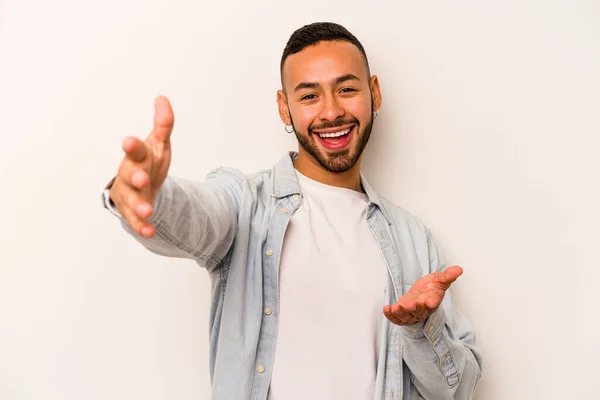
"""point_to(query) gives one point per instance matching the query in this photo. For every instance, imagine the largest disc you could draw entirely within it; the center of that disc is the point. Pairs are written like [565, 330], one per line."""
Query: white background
[489, 132]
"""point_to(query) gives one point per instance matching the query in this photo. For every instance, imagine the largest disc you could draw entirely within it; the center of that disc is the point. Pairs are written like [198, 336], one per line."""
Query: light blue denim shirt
[234, 225]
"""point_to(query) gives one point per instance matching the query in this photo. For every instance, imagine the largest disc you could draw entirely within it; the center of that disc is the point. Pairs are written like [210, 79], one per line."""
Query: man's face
[329, 99]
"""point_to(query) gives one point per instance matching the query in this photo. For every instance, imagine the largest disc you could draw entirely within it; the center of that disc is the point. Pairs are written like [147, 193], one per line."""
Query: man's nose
[332, 110]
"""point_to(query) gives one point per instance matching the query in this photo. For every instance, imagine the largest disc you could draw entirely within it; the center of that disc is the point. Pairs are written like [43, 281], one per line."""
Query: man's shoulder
[241, 184]
[402, 218]
[397, 212]
[283, 169]
[239, 176]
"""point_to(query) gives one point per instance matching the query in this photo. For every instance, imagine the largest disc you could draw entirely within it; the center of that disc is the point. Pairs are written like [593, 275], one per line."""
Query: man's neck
[349, 179]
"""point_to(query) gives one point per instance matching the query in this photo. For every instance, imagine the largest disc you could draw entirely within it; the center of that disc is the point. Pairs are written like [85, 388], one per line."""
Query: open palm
[423, 298]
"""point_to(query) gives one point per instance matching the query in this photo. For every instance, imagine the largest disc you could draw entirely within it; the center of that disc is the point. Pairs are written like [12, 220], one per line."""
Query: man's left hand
[423, 298]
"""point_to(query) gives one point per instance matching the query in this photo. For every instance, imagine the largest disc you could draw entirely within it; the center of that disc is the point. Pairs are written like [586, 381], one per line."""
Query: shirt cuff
[430, 327]
[107, 202]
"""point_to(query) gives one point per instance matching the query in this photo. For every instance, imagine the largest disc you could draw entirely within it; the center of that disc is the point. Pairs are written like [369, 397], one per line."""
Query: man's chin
[337, 162]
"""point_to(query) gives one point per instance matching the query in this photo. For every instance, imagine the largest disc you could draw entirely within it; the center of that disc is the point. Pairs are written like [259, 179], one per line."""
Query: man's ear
[284, 110]
[375, 93]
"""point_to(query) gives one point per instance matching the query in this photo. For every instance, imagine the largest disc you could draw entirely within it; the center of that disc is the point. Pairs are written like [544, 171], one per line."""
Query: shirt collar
[285, 183]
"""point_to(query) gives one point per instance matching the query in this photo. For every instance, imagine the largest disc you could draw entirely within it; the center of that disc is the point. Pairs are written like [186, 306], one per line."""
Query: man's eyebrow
[306, 85]
[347, 77]
[314, 85]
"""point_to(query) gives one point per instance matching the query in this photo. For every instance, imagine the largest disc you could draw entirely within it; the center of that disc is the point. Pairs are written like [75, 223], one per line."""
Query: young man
[320, 288]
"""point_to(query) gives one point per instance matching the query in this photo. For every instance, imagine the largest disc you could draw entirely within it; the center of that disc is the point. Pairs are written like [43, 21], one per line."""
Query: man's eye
[347, 90]
[309, 97]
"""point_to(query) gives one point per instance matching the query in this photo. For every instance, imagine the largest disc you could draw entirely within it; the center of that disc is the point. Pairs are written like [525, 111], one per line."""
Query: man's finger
[449, 275]
[432, 302]
[420, 311]
[132, 177]
[135, 222]
[163, 120]
[136, 212]
[144, 229]
[138, 178]
[135, 149]
[399, 311]
[394, 317]
[144, 210]
[405, 321]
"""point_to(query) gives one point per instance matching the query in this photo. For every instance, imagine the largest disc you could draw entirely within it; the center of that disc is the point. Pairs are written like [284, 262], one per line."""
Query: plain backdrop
[489, 133]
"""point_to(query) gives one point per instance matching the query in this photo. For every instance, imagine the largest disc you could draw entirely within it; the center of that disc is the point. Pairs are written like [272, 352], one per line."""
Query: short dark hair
[316, 32]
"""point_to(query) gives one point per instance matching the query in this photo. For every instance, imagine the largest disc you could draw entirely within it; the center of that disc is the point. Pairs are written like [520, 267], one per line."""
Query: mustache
[333, 124]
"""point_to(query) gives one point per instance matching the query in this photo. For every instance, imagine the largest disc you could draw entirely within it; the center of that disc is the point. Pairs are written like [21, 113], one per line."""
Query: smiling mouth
[343, 132]
[335, 139]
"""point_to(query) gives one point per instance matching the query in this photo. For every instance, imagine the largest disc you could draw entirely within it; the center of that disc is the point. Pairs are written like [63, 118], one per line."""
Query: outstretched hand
[423, 298]
[143, 170]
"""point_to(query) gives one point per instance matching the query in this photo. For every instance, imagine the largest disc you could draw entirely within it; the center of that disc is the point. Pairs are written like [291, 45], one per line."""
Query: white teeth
[335, 134]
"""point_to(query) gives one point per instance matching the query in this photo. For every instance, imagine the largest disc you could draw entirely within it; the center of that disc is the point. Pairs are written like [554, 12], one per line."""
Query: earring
[286, 129]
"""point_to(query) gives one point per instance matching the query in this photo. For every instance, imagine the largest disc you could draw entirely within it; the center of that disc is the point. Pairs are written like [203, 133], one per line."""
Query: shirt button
[260, 369]
[269, 252]
[430, 329]
[277, 193]
[268, 310]
[284, 210]
[296, 197]
[444, 357]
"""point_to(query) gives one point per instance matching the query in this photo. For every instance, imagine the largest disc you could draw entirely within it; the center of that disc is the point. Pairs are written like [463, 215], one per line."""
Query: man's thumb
[449, 275]
[163, 120]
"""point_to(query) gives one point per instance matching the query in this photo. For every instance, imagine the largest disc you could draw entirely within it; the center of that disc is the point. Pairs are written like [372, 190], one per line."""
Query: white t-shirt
[332, 278]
